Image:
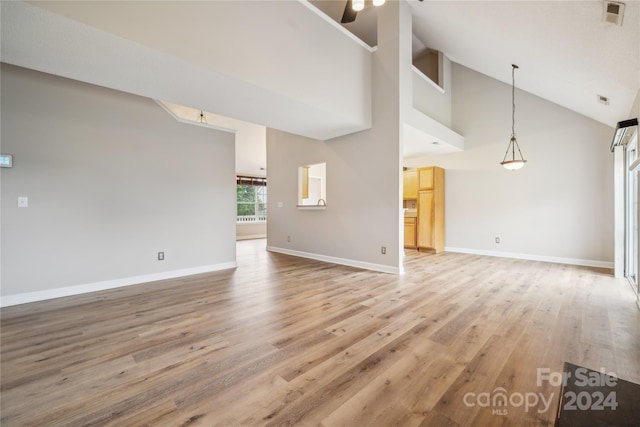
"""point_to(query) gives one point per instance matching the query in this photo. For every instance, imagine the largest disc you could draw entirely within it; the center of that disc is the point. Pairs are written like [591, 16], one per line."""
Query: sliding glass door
[631, 212]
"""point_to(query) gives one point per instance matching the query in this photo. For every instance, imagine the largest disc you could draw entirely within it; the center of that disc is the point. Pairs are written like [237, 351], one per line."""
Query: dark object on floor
[593, 398]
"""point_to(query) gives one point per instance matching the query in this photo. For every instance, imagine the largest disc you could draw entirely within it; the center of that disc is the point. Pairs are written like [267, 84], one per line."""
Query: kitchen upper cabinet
[426, 178]
[410, 184]
[430, 221]
[305, 182]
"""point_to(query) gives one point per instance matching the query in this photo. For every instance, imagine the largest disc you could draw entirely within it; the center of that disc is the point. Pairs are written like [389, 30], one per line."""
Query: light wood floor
[288, 341]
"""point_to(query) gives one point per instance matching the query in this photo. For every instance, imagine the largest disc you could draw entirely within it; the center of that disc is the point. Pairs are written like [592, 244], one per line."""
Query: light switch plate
[23, 202]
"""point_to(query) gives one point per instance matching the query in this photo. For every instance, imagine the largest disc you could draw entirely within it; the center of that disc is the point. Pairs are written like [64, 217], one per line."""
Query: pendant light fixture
[201, 118]
[352, 7]
[513, 162]
[357, 5]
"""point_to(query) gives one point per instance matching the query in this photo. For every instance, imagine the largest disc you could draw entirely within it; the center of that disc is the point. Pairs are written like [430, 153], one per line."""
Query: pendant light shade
[378, 2]
[358, 5]
[513, 162]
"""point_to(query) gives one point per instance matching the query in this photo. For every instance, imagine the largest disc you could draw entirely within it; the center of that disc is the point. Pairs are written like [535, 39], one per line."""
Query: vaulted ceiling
[566, 52]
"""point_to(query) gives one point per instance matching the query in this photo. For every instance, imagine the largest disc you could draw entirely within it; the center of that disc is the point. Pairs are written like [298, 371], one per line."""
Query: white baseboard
[28, 297]
[342, 261]
[251, 236]
[556, 260]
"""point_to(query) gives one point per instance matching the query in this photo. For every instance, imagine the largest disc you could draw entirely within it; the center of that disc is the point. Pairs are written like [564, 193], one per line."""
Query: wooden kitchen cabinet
[430, 221]
[410, 233]
[426, 177]
[305, 182]
[410, 184]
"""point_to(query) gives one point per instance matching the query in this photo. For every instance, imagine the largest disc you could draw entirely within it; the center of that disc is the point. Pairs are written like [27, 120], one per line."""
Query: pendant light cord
[513, 142]
[513, 99]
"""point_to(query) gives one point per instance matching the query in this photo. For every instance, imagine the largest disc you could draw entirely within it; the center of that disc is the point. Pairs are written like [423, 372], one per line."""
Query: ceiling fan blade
[349, 14]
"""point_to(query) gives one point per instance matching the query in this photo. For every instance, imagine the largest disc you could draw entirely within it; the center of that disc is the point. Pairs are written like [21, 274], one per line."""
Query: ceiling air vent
[603, 100]
[613, 12]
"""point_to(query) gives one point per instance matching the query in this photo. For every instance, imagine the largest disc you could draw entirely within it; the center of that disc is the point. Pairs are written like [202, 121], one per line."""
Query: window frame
[259, 186]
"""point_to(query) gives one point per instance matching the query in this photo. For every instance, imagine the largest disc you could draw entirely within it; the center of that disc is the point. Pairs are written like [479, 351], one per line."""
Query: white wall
[635, 109]
[251, 139]
[228, 61]
[361, 214]
[429, 98]
[255, 230]
[363, 170]
[558, 207]
[112, 179]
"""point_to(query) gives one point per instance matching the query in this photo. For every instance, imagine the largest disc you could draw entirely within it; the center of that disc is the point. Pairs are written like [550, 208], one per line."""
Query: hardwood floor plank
[477, 377]
[156, 415]
[289, 341]
[392, 394]
[340, 375]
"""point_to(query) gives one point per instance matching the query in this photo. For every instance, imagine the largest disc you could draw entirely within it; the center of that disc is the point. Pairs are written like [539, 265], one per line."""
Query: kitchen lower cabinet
[410, 233]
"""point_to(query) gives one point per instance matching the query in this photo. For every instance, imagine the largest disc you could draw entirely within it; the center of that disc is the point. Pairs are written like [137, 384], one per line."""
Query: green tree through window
[251, 197]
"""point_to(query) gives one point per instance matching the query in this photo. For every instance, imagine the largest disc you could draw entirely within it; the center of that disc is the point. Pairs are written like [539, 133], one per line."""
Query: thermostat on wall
[6, 160]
